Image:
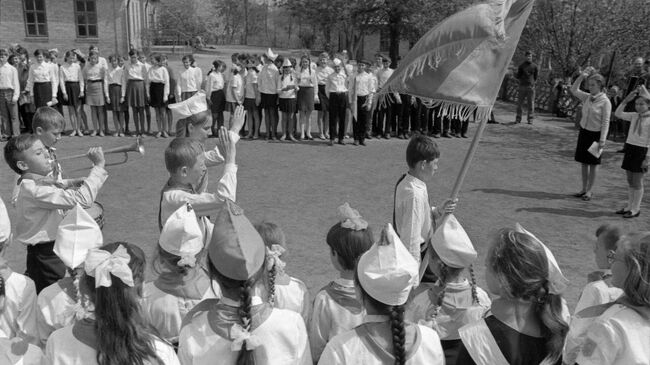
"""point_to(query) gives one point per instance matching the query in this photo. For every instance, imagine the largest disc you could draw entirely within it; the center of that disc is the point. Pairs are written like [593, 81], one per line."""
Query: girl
[72, 85]
[637, 153]
[252, 98]
[142, 57]
[385, 276]
[133, 92]
[181, 282]
[96, 92]
[287, 91]
[157, 92]
[41, 82]
[234, 91]
[114, 76]
[526, 317]
[323, 71]
[285, 292]
[241, 328]
[621, 335]
[171, 98]
[336, 307]
[307, 96]
[16, 350]
[452, 301]
[217, 98]
[594, 126]
[189, 81]
[117, 334]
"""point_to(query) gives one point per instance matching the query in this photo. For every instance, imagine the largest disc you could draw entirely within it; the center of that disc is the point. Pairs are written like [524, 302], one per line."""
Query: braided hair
[271, 234]
[2, 294]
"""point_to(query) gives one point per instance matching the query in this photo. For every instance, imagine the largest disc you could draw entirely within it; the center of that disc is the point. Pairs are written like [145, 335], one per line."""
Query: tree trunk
[245, 33]
[394, 24]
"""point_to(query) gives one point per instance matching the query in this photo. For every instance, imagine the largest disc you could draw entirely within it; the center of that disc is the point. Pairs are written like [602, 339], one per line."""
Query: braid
[2, 294]
[272, 274]
[443, 288]
[473, 283]
[399, 334]
[246, 356]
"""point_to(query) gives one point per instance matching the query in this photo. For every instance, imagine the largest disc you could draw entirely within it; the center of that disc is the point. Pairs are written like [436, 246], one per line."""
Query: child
[323, 71]
[171, 99]
[234, 91]
[181, 282]
[637, 153]
[363, 92]
[267, 82]
[307, 97]
[453, 301]
[241, 328]
[117, 333]
[287, 91]
[385, 276]
[114, 76]
[10, 91]
[157, 92]
[133, 92]
[527, 315]
[96, 92]
[42, 81]
[217, 98]
[40, 204]
[621, 334]
[252, 99]
[18, 295]
[413, 217]
[142, 57]
[336, 307]
[337, 94]
[61, 304]
[72, 84]
[189, 81]
[599, 290]
[285, 292]
[16, 350]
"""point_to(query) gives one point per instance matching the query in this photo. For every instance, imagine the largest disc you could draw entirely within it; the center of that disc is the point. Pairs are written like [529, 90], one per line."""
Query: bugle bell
[137, 146]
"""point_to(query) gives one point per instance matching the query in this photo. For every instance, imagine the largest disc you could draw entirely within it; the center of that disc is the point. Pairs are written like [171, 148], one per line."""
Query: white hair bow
[351, 219]
[273, 258]
[101, 264]
[239, 335]
[187, 260]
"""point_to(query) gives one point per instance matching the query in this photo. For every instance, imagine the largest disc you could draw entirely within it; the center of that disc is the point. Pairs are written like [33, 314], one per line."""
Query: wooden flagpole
[468, 158]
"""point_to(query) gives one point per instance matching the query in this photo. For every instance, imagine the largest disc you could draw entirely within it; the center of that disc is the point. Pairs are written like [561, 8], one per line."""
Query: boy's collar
[175, 184]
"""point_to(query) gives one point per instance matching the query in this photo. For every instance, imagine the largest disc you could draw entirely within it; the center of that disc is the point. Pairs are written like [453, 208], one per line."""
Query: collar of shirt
[415, 181]
[255, 300]
[597, 97]
[345, 282]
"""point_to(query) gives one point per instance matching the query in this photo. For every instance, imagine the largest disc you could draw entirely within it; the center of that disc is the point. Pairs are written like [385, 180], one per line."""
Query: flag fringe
[446, 108]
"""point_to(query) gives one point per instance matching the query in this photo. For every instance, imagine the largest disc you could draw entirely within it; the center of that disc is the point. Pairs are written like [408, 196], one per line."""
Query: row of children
[368, 304]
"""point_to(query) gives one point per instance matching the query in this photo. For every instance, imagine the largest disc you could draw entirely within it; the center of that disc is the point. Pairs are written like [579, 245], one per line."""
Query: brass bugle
[137, 146]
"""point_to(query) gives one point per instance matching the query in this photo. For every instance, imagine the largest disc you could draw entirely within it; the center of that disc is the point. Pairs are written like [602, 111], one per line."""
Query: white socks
[636, 198]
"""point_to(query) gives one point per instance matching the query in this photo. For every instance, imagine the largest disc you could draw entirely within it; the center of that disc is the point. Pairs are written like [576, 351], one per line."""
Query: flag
[460, 63]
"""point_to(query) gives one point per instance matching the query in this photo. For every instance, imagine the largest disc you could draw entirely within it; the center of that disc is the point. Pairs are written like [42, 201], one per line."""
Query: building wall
[371, 45]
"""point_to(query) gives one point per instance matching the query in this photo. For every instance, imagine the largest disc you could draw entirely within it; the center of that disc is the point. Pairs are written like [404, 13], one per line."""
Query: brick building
[66, 24]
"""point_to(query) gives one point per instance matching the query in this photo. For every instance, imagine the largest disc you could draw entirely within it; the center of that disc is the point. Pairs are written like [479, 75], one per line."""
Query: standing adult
[267, 83]
[527, 76]
[594, 125]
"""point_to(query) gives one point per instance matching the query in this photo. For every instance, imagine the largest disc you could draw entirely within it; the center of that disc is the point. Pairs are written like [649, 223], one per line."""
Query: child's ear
[38, 131]
[183, 171]
[22, 165]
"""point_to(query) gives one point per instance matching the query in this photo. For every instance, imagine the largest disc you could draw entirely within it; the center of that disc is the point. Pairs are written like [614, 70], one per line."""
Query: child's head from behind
[27, 154]
[607, 237]
[631, 267]
[195, 126]
[185, 161]
[347, 245]
[422, 155]
[47, 124]
[271, 234]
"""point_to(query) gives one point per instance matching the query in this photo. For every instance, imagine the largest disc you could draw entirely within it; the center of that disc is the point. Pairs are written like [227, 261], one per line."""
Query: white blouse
[284, 81]
[115, 75]
[214, 82]
[55, 308]
[189, 80]
[292, 294]
[70, 73]
[159, 75]
[39, 73]
[18, 319]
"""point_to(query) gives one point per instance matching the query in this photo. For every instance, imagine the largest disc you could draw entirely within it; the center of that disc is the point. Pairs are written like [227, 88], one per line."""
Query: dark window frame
[384, 39]
[87, 26]
[38, 28]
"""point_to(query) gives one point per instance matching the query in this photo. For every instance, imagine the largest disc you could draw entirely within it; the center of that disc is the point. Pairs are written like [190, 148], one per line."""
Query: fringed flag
[460, 63]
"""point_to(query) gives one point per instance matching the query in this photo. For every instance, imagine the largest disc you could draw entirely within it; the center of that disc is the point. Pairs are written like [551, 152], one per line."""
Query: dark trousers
[360, 124]
[459, 127]
[338, 106]
[387, 116]
[405, 113]
[440, 124]
[429, 276]
[26, 114]
[9, 113]
[43, 265]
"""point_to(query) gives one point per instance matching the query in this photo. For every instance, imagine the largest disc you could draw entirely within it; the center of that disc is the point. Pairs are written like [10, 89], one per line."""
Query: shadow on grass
[568, 212]
[540, 195]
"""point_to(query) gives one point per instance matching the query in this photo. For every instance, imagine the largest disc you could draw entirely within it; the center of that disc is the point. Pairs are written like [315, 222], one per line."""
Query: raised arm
[575, 88]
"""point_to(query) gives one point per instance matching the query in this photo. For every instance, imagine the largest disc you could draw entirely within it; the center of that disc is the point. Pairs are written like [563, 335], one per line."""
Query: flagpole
[468, 158]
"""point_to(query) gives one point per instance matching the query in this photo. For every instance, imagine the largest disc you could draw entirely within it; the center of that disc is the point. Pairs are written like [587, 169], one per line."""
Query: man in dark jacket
[527, 76]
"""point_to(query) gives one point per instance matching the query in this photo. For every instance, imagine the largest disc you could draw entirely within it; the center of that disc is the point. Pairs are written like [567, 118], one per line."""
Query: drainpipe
[115, 25]
[128, 25]
[146, 18]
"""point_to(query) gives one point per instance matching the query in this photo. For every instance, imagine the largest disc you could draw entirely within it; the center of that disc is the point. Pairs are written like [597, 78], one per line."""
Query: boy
[42, 201]
[413, 217]
[9, 94]
[337, 94]
[364, 89]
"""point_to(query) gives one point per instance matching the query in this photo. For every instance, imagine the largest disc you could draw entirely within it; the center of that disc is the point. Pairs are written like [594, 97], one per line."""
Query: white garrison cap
[78, 233]
[452, 244]
[272, 56]
[182, 236]
[185, 109]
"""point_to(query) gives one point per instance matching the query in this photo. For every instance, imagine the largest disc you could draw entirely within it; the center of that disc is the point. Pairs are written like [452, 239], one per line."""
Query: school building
[112, 25]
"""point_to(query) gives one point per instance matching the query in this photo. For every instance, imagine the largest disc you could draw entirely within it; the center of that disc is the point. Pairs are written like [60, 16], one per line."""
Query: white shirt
[114, 75]
[251, 81]
[284, 81]
[9, 80]
[413, 214]
[596, 293]
[159, 74]
[55, 309]
[55, 71]
[268, 79]
[214, 82]
[131, 71]
[292, 294]
[18, 317]
[596, 111]
[383, 75]
[639, 131]
[71, 72]
[235, 91]
[337, 83]
[365, 84]
[189, 80]
[39, 73]
[323, 73]
[307, 77]
[13, 349]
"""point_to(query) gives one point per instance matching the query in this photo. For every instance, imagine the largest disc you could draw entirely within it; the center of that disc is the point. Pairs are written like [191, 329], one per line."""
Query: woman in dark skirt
[594, 126]
[42, 81]
[133, 92]
[637, 154]
[71, 82]
[158, 92]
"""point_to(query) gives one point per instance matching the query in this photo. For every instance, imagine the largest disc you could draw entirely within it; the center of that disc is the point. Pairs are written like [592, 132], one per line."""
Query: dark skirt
[633, 159]
[218, 101]
[249, 104]
[231, 106]
[288, 105]
[115, 93]
[95, 93]
[306, 99]
[73, 90]
[324, 101]
[135, 97]
[268, 101]
[187, 94]
[157, 95]
[585, 140]
[42, 94]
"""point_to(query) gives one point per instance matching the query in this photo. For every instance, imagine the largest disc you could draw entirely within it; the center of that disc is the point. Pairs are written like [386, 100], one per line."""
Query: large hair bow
[101, 264]
[273, 259]
[351, 219]
[239, 335]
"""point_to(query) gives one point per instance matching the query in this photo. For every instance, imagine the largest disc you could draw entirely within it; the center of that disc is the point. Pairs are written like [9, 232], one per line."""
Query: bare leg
[585, 177]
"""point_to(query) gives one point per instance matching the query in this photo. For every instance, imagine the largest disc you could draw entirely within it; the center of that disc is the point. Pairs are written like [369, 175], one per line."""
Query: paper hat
[182, 236]
[287, 62]
[194, 105]
[365, 62]
[78, 233]
[336, 62]
[452, 244]
[272, 56]
[557, 281]
[236, 249]
[5, 223]
[387, 271]
[55, 50]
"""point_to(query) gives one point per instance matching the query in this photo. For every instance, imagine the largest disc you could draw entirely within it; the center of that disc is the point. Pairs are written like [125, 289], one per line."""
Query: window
[35, 20]
[384, 39]
[86, 18]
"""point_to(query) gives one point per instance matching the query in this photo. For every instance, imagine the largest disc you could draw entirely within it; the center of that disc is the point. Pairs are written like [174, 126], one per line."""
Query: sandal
[587, 196]
[622, 211]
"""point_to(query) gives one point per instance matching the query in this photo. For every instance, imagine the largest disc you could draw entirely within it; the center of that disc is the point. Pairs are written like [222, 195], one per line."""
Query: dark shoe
[464, 135]
[387, 136]
[622, 211]
[630, 215]
[587, 197]
[580, 194]
[331, 142]
[446, 135]
[401, 136]
[355, 143]
[368, 136]
[436, 135]
[363, 143]
[492, 122]
[341, 142]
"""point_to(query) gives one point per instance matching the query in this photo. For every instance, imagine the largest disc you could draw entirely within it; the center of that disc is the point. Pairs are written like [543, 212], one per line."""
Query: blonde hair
[636, 255]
